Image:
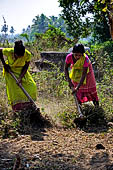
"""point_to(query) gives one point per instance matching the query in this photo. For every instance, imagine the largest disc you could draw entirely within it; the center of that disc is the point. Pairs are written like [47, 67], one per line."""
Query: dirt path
[58, 148]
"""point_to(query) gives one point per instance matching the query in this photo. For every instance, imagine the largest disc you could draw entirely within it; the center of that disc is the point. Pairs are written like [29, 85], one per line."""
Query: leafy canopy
[81, 16]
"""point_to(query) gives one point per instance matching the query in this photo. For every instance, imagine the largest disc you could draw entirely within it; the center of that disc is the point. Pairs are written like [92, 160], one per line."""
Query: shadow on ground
[59, 161]
[101, 161]
[29, 121]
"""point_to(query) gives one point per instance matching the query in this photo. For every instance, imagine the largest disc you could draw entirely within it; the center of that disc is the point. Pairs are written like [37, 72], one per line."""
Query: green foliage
[53, 38]
[75, 15]
[26, 36]
[67, 118]
[57, 87]
[101, 32]
[41, 24]
[82, 17]
[103, 58]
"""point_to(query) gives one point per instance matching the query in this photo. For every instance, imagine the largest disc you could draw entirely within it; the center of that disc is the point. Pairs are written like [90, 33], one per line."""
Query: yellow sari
[14, 93]
[77, 70]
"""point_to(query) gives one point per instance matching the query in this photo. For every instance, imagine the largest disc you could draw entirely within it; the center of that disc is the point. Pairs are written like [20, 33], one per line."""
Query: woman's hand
[75, 89]
[6, 66]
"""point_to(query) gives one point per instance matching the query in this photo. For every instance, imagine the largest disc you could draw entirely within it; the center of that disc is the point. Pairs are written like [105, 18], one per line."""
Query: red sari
[87, 92]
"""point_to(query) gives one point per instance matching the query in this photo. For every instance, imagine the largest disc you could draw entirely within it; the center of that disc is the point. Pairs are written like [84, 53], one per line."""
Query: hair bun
[19, 43]
[19, 48]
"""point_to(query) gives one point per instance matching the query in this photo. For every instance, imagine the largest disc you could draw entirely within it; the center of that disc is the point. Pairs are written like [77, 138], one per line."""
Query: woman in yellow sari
[18, 60]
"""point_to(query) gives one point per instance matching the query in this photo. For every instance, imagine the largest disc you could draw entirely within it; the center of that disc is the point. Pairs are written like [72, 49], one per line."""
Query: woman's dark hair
[78, 48]
[19, 48]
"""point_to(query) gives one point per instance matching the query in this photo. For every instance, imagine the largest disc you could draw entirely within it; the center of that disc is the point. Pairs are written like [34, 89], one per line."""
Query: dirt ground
[59, 149]
[54, 147]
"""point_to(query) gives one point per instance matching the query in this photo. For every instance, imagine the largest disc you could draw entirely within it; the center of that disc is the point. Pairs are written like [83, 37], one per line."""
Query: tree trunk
[111, 26]
[111, 20]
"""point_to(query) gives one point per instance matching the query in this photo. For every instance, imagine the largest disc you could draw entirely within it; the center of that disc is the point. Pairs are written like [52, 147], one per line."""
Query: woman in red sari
[81, 76]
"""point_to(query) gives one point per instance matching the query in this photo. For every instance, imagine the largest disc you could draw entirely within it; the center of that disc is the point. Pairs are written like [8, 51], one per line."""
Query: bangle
[77, 88]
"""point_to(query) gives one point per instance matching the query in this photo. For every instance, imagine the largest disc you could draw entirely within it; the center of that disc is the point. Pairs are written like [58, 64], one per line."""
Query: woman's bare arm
[6, 66]
[23, 72]
[67, 74]
[83, 77]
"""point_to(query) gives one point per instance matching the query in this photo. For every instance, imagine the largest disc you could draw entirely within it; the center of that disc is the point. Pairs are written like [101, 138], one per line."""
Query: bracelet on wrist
[77, 87]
